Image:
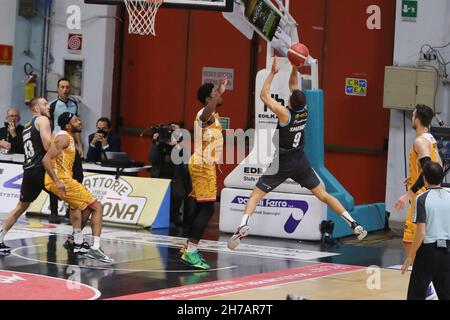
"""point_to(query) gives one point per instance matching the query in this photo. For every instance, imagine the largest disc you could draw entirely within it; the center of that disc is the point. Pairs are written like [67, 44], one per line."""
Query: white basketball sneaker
[235, 240]
[358, 230]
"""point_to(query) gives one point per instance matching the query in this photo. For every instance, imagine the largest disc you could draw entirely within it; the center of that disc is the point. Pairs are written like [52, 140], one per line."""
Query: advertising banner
[10, 182]
[142, 202]
[136, 201]
[281, 215]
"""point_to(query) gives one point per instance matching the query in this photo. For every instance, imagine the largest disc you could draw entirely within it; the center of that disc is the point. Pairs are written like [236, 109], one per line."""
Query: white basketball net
[142, 16]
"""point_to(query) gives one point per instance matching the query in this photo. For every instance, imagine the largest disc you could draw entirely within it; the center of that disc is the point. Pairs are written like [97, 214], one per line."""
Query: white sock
[96, 244]
[192, 247]
[78, 236]
[3, 233]
[244, 220]
[347, 217]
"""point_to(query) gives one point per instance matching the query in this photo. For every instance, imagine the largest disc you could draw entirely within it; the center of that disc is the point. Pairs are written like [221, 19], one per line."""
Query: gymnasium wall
[356, 127]
[7, 27]
[98, 29]
[431, 27]
[28, 47]
[161, 75]
[26, 35]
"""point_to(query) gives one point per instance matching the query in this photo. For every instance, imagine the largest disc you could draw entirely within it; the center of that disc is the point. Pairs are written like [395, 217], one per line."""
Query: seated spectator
[11, 140]
[102, 141]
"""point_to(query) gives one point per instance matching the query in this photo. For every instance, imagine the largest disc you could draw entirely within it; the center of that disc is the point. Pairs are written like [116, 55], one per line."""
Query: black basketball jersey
[292, 136]
[32, 144]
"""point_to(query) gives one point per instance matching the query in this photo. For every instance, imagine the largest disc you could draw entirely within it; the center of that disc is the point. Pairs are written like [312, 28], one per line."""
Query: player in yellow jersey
[208, 144]
[58, 163]
[423, 150]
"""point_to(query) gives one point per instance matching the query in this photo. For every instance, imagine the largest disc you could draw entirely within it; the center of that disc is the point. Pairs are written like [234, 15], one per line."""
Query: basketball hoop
[142, 16]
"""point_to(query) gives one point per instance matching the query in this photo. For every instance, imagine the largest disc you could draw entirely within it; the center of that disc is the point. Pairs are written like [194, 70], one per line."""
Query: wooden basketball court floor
[147, 266]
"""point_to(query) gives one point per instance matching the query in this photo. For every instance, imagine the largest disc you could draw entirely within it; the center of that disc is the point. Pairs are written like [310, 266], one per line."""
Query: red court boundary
[15, 285]
[219, 287]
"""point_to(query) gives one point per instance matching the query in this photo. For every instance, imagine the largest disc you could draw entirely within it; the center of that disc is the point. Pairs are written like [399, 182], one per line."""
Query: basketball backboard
[263, 17]
[217, 5]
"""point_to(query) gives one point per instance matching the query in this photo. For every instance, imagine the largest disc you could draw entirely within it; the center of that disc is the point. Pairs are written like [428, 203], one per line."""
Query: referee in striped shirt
[430, 251]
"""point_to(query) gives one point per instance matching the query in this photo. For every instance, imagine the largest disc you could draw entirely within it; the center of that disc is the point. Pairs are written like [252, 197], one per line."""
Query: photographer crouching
[165, 139]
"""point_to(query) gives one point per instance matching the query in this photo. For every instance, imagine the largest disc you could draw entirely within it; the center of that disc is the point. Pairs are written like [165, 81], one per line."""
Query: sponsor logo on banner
[127, 200]
[267, 116]
[279, 92]
[119, 204]
[300, 208]
[284, 215]
[252, 174]
[356, 87]
[116, 196]
[253, 171]
[10, 181]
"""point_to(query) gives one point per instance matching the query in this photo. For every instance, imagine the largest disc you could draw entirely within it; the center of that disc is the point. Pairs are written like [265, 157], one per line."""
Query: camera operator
[102, 141]
[165, 138]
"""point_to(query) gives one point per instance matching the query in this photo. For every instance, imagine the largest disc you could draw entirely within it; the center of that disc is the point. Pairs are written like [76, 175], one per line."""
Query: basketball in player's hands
[298, 54]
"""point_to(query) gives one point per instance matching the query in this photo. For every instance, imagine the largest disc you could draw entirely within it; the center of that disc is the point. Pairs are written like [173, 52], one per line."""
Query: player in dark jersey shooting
[293, 162]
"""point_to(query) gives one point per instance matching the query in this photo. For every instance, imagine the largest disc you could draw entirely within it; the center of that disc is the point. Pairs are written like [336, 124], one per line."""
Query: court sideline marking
[13, 252]
[279, 253]
[245, 283]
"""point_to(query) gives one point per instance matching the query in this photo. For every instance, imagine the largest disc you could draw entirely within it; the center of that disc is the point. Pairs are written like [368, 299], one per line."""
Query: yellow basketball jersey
[208, 142]
[62, 164]
[414, 165]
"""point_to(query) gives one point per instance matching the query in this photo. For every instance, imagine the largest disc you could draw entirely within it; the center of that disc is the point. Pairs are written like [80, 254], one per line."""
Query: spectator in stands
[102, 141]
[11, 140]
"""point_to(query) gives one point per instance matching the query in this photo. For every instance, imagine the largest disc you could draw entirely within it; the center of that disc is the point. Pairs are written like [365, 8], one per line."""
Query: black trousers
[78, 175]
[431, 265]
[177, 196]
[196, 219]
